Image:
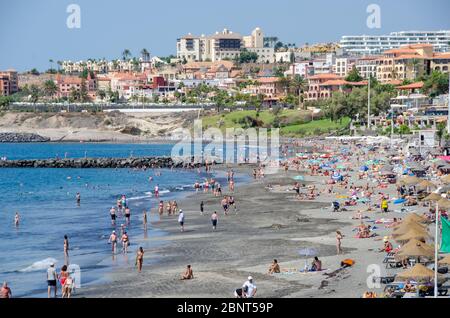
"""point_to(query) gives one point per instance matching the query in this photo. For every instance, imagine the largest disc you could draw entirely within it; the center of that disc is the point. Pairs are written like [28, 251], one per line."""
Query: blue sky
[33, 31]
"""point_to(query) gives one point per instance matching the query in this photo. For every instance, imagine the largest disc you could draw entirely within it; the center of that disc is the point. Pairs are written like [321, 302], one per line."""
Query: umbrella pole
[436, 252]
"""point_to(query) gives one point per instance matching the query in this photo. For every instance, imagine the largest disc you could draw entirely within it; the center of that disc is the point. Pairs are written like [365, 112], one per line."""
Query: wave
[39, 265]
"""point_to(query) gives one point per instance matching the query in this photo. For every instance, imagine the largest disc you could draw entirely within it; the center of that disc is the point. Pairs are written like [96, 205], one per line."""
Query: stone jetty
[143, 162]
[22, 137]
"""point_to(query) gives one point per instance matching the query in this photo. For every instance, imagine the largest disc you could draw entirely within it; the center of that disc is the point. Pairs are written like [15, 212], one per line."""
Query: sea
[46, 202]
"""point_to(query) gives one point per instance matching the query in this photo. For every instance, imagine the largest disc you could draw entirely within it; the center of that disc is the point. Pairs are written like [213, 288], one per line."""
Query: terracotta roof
[408, 56]
[336, 82]
[411, 86]
[420, 45]
[400, 51]
[441, 55]
[325, 76]
[394, 82]
[267, 80]
[70, 80]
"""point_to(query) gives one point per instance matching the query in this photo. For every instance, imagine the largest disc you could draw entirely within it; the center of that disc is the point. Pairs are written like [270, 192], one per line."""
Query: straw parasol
[410, 180]
[443, 203]
[413, 217]
[404, 228]
[445, 260]
[446, 178]
[418, 273]
[434, 197]
[416, 248]
[425, 184]
[412, 234]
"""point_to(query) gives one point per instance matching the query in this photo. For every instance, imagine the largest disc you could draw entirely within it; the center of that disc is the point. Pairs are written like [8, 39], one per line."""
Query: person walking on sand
[232, 202]
[112, 212]
[51, 279]
[113, 241]
[144, 219]
[139, 259]
[16, 219]
[339, 237]
[5, 291]
[224, 204]
[202, 205]
[214, 218]
[125, 243]
[127, 216]
[181, 220]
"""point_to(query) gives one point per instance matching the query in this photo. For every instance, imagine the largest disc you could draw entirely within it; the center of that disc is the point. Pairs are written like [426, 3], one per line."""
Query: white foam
[39, 265]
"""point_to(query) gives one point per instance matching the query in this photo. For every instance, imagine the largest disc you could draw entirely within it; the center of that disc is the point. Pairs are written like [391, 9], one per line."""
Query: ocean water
[45, 200]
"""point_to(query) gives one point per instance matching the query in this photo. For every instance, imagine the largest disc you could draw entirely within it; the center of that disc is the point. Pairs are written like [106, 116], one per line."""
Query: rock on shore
[22, 137]
[148, 162]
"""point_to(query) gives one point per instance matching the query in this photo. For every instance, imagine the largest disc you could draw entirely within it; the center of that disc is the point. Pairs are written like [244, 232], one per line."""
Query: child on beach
[139, 259]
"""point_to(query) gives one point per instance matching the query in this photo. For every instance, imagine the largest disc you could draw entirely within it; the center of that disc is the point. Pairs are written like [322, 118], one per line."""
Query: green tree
[4, 102]
[34, 71]
[353, 76]
[35, 93]
[299, 84]
[126, 54]
[101, 93]
[247, 57]
[441, 128]
[50, 88]
[436, 84]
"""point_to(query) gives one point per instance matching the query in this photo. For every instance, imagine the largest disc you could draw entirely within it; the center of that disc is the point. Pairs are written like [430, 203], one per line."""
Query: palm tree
[51, 65]
[126, 54]
[145, 55]
[50, 88]
[299, 84]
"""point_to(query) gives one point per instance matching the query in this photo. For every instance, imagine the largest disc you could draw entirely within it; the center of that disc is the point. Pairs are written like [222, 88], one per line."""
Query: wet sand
[269, 224]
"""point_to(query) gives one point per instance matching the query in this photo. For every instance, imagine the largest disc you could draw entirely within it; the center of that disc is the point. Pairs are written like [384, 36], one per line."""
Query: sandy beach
[269, 224]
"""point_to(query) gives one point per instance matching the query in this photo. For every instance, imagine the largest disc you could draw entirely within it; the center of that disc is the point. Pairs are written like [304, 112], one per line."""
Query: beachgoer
[181, 220]
[78, 198]
[5, 291]
[51, 279]
[16, 219]
[144, 219]
[161, 208]
[62, 278]
[125, 243]
[231, 202]
[339, 237]
[188, 273]
[128, 215]
[251, 288]
[274, 267]
[112, 212]
[113, 241]
[224, 203]
[202, 205]
[67, 287]
[66, 246]
[139, 259]
[214, 218]
[316, 265]
[384, 205]
[157, 191]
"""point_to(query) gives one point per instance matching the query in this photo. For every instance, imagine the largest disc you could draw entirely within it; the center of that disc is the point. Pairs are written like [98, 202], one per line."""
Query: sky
[34, 31]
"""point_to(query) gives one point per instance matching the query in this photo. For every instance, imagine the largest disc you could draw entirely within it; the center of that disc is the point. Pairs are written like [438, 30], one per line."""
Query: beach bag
[347, 263]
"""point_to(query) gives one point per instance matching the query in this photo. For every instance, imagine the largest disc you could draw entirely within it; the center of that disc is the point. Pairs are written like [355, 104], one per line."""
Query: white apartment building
[343, 65]
[298, 69]
[255, 40]
[367, 66]
[375, 44]
[265, 54]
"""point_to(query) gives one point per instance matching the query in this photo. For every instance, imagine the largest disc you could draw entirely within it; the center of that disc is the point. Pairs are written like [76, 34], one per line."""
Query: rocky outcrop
[145, 162]
[22, 137]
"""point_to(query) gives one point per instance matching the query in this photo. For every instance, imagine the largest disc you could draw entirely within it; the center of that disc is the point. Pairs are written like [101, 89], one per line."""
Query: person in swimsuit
[66, 246]
[201, 208]
[16, 219]
[339, 237]
[231, 186]
[156, 191]
[161, 208]
[125, 243]
[139, 259]
[78, 197]
[113, 241]
[5, 291]
[144, 219]
[188, 273]
[127, 215]
[62, 278]
[214, 218]
[224, 203]
[112, 212]
[231, 202]
[181, 220]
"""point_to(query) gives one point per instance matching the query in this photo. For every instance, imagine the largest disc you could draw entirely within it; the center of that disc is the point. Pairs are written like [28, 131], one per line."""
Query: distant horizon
[36, 31]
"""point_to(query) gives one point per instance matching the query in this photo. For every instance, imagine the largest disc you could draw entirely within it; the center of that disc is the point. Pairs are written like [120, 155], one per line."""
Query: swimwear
[51, 282]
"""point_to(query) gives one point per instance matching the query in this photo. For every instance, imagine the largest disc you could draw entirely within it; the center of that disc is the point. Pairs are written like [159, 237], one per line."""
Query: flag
[445, 242]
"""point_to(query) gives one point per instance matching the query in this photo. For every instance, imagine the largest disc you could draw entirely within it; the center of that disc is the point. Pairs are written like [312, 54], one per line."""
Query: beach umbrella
[446, 179]
[434, 197]
[410, 180]
[443, 203]
[418, 273]
[445, 260]
[412, 233]
[308, 252]
[416, 248]
[413, 217]
[406, 227]
[426, 184]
